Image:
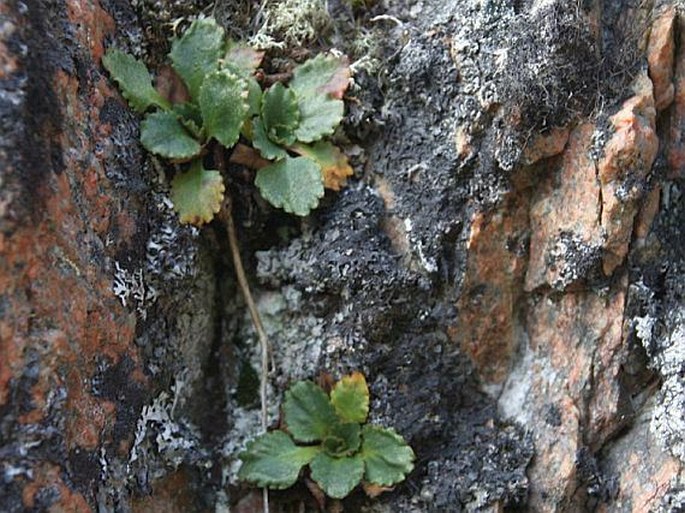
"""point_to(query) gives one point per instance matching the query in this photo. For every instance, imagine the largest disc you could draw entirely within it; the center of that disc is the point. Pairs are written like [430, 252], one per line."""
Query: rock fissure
[600, 197]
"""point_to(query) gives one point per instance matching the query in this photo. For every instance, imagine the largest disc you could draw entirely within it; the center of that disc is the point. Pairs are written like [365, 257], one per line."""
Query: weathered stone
[546, 145]
[171, 494]
[645, 218]
[565, 241]
[491, 291]
[57, 247]
[676, 133]
[570, 391]
[75, 217]
[660, 54]
[513, 291]
[588, 208]
[623, 169]
[642, 472]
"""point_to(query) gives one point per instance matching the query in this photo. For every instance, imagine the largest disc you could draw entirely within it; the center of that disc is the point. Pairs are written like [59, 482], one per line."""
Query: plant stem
[227, 215]
[336, 507]
[252, 308]
[256, 320]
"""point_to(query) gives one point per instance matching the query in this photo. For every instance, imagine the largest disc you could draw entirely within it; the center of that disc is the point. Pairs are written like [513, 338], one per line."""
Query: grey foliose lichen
[668, 357]
[674, 499]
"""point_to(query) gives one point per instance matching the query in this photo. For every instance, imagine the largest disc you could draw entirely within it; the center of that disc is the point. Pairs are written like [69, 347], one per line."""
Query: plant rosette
[330, 435]
[285, 124]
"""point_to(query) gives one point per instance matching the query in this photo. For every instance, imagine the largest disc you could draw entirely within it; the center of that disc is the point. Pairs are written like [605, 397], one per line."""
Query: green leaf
[191, 118]
[197, 194]
[321, 76]
[189, 111]
[350, 398]
[280, 114]
[294, 184]
[319, 116]
[197, 52]
[308, 412]
[163, 134]
[274, 461]
[333, 162]
[343, 439]
[337, 477]
[268, 149]
[134, 80]
[223, 102]
[319, 84]
[387, 457]
[254, 98]
[244, 56]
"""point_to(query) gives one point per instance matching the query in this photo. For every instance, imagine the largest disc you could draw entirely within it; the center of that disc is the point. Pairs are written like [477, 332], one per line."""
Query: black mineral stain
[84, 469]
[45, 35]
[553, 415]
[115, 383]
[30, 115]
[434, 400]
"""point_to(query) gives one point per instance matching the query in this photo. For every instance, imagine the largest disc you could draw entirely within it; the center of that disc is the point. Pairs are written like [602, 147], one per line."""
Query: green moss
[247, 391]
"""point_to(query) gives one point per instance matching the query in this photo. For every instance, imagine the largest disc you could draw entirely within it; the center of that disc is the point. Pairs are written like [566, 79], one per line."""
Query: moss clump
[247, 391]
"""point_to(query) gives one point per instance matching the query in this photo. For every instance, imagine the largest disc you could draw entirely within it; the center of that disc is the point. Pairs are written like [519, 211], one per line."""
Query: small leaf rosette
[222, 102]
[329, 435]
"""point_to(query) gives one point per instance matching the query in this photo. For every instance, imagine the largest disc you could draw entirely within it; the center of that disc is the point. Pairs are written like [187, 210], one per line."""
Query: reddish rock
[553, 475]
[564, 217]
[644, 470]
[628, 158]
[490, 295]
[60, 319]
[170, 494]
[95, 23]
[8, 63]
[534, 316]
[463, 143]
[660, 55]
[584, 213]
[578, 348]
[676, 133]
[546, 145]
[68, 502]
[585, 207]
[646, 215]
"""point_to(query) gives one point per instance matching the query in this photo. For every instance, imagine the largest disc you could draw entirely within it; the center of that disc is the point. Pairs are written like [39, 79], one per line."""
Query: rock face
[507, 268]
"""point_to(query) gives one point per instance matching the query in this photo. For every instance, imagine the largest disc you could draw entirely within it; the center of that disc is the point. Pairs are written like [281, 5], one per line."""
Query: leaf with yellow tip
[350, 398]
[197, 194]
[334, 166]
